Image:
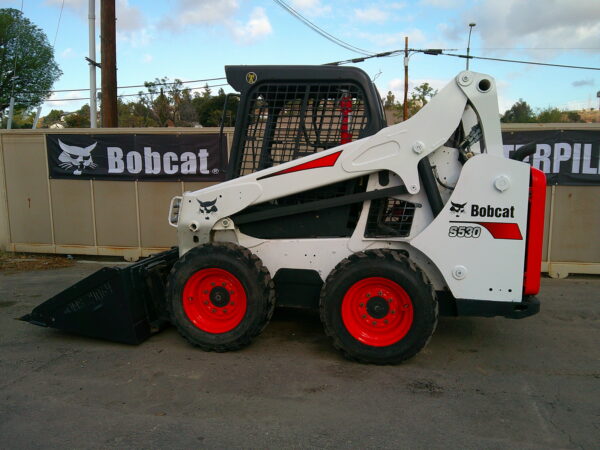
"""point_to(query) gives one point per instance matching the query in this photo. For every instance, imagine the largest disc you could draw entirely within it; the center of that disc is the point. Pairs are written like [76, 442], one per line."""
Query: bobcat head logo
[77, 158]
[208, 207]
[458, 208]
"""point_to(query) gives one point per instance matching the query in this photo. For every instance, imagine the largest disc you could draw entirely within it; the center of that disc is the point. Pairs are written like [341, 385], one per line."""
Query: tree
[27, 66]
[168, 103]
[53, 117]
[419, 97]
[79, 118]
[22, 118]
[390, 100]
[574, 116]
[210, 109]
[520, 112]
[550, 115]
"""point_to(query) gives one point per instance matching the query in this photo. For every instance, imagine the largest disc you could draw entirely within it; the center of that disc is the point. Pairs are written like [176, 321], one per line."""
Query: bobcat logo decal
[77, 158]
[208, 207]
[458, 208]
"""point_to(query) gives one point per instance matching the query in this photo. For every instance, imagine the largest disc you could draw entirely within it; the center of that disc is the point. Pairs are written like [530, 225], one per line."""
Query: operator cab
[287, 112]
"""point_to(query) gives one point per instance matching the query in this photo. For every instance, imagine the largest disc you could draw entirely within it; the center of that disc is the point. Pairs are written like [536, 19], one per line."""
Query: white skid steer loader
[380, 228]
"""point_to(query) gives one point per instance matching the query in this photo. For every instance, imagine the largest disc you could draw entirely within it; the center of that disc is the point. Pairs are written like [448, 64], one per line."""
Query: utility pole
[405, 103]
[471, 25]
[92, 61]
[109, 63]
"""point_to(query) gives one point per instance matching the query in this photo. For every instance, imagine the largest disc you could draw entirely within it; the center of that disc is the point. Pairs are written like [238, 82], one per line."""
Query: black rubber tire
[394, 266]
[249, 270]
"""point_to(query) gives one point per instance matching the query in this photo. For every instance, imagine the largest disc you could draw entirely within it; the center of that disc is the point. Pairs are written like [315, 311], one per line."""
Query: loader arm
[397, 148]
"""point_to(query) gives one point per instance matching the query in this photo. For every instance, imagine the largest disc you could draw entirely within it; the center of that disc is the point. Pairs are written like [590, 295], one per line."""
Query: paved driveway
[481, 383]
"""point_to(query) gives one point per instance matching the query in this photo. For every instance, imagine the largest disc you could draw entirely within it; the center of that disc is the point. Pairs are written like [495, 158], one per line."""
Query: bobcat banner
[191, 157]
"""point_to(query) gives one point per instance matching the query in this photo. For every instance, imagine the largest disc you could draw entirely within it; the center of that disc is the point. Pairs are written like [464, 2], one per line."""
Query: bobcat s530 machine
[380, 228]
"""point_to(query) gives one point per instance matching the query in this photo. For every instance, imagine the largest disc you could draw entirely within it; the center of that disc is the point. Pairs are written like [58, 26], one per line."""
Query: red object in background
[535, 232]
[346, 108]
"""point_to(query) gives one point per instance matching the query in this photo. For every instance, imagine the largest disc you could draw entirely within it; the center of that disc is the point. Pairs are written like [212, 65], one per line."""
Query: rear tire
[378, 307]
[220, 296]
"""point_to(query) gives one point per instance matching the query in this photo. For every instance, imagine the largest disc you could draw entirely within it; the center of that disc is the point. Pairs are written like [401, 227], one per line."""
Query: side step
[117, 304]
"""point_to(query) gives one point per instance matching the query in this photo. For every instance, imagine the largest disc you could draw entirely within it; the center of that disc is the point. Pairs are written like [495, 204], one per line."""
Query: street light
[471, 25]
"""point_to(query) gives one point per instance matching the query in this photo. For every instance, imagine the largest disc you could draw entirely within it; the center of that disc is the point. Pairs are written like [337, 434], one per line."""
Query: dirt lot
[481, 383]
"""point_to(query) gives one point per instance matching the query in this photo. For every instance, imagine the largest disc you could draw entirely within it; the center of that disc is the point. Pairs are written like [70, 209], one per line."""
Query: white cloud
[200, 12]
[257, 27]
[532, 24]
[371, 14]
[67, 53]
[581, 83]
[76, 5]
[210, 13]
[136, 38]
[148, 58]
[129, 18]
[310, 7]
[445, 4]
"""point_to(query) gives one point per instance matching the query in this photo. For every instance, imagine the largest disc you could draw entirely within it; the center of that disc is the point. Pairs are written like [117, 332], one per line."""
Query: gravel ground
[481, 383]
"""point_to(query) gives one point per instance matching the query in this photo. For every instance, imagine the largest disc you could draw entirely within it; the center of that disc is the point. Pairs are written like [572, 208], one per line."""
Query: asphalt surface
[480, 383]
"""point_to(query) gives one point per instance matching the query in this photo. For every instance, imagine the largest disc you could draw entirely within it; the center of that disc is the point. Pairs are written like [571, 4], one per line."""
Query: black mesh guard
[286, 121]
[390, 217]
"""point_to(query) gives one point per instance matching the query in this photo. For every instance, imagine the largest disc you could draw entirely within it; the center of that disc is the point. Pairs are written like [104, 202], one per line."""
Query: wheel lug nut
[362, 305]
[368, 294]
[390, 300]
[364, 316]
[206, 302]
[405, 306]
[213, 311]
[205, 292]
[380, 293]
[223, 284]
[232, 303]
[374, 323]
[225, 311]
[393, 311]
[385, 321]
[212, 284]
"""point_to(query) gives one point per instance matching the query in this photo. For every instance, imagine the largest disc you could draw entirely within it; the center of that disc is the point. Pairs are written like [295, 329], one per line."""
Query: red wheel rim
[214, 300]
[377, 311]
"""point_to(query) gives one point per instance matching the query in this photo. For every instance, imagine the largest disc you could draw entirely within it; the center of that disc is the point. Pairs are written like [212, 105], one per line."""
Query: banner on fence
[127, 157]
[567, 157]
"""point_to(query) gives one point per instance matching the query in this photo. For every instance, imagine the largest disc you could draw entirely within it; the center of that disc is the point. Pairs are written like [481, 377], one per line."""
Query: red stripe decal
[502, 230]
[325, 161]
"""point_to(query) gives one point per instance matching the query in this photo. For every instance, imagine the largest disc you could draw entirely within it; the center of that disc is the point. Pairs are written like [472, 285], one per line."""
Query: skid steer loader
[379, 228]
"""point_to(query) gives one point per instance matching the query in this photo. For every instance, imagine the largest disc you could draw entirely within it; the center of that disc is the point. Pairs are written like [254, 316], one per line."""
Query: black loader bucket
[118, 304]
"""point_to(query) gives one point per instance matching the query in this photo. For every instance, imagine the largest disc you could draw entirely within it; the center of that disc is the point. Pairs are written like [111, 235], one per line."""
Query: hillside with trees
[162, 104]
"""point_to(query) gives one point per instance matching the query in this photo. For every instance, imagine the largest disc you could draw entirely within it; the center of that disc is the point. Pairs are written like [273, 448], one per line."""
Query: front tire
[220, 296]
[378, 307]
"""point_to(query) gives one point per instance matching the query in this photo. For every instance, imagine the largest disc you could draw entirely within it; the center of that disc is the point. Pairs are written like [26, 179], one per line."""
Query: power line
[429, 51]
[128, 87]
[58, 24]
[127, 95]
[321, 31]
[440, 51]
[519, 61]
[537, 48]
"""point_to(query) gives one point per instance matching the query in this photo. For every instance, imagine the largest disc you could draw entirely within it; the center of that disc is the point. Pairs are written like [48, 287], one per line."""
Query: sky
[195, 39]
